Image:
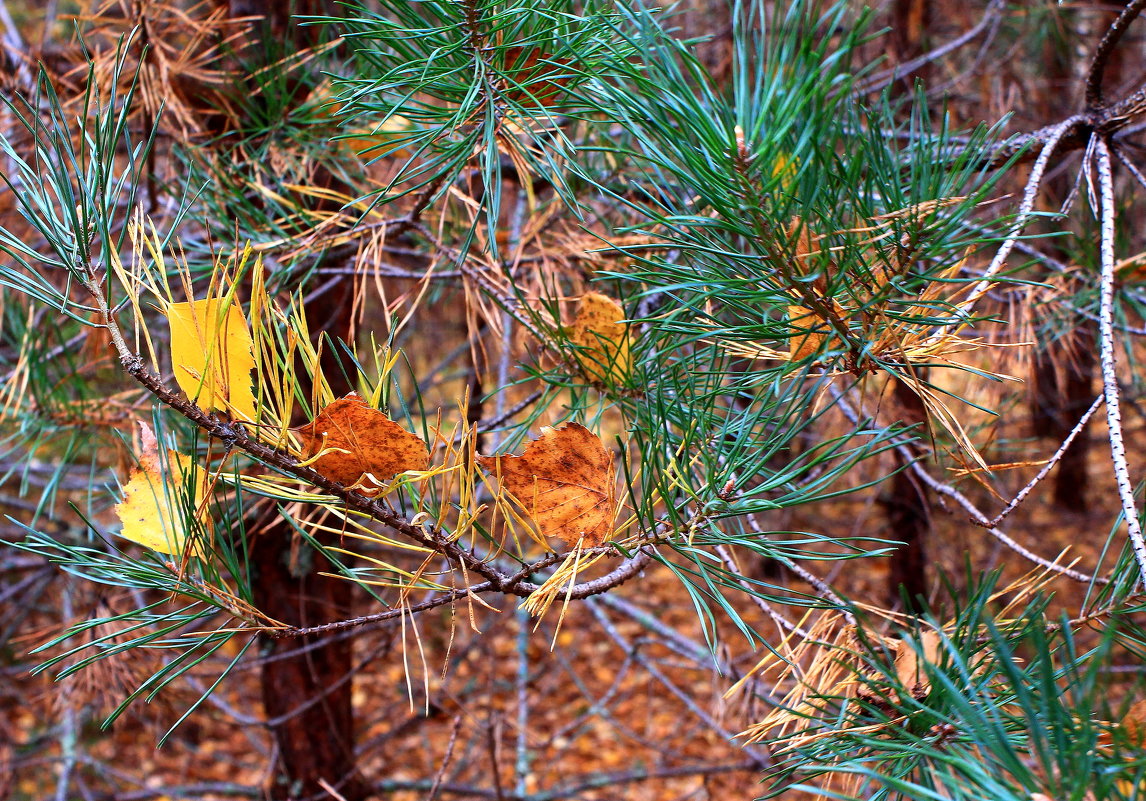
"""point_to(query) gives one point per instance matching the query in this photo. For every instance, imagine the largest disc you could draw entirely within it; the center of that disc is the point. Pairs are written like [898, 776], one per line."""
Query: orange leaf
[360, 444]
[1134, 723]
[565, 481]
[909, 663]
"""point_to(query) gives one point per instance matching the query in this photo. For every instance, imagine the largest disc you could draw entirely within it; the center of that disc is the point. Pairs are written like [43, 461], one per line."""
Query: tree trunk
[908, 517]
[906, 507]
[306, 683]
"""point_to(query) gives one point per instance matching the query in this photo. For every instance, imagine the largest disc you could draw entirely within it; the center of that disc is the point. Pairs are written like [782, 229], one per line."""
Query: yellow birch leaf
[211, 354]
[150, 511]
[565, 481]
[359, 445]
[603, 339]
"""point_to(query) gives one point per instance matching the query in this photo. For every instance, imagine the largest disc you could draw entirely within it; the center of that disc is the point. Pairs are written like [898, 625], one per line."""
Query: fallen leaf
[565, 481]
[211, 355]
[603, 338]
[362, 445]
[151, 510]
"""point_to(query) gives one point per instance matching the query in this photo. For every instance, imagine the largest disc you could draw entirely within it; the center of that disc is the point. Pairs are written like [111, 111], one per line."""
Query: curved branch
[625, 571]
[1102, 54]
[882, 79]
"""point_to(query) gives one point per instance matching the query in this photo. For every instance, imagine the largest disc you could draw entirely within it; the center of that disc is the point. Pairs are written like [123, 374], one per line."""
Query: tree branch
[1107, 356]
[1102, 54]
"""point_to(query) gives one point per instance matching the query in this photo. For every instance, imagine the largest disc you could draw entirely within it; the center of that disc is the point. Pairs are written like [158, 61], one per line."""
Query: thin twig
[947, 490]
[888, 76]
[1030, 193]
[1034, 482]
[763, 760]
[1130, 166]
[734, 569]
[446, 759]
[973, 511]
[1107, 356]
[1102, 54]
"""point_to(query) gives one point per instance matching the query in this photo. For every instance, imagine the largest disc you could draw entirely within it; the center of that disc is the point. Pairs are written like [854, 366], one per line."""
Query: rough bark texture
[908, 517]
[307, 695]
[906, 506]
[310, 692]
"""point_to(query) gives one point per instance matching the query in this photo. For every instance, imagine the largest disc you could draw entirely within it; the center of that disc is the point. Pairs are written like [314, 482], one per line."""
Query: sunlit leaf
[603, 338]
[212, 356]
[150, 511]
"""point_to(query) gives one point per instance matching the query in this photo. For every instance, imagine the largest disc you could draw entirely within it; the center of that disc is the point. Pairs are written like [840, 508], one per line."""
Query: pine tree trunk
[908, 516]
[906, 507]
[306, 684]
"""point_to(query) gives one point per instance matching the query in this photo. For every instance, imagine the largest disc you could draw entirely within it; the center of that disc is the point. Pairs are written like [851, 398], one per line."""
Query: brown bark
[905, 505]
[310, 693]
[910, 22]
[1062, 389]
[307, 695]
[908, 516]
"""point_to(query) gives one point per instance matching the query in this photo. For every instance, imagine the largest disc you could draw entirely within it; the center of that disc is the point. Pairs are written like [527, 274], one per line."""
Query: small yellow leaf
[565, 481]
[150, 511]
[376, 140]
[212, 356]
[603, 339]
[360, 445]
[785, 168]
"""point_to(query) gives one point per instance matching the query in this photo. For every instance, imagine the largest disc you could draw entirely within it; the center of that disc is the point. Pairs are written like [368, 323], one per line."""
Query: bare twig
[734, 570]
[1130, 166]
[1034, 482]
[947, 490]
[882, 79]
[1102, 54]
[763, 760]
[976, 515]
[1107, 356]
[446, 759]
[1030, 193]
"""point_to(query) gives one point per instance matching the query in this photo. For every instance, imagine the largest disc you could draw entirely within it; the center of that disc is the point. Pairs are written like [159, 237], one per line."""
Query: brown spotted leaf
[565, 481]
[360, 445]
